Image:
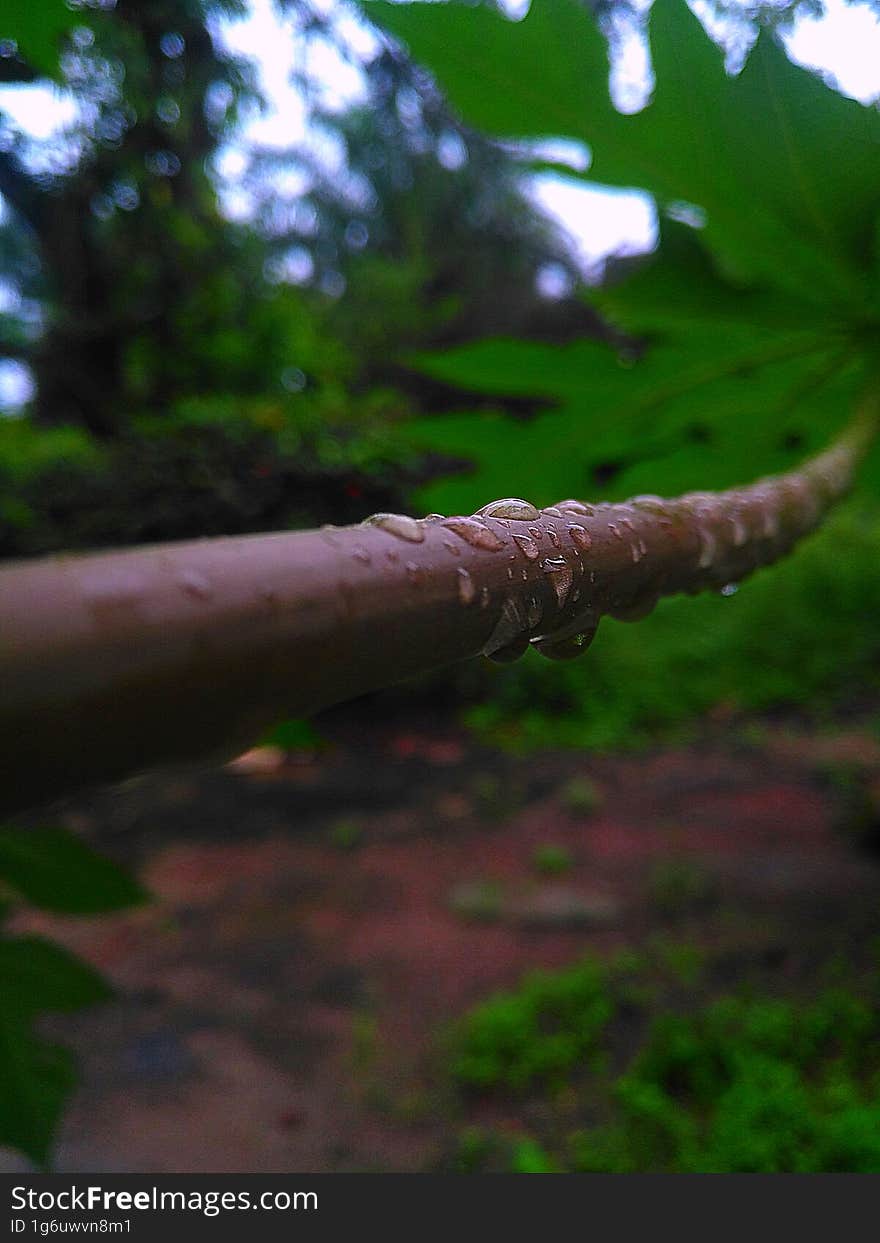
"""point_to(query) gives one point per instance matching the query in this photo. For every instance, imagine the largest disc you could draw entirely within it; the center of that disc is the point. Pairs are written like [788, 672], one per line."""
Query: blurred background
[619, 913]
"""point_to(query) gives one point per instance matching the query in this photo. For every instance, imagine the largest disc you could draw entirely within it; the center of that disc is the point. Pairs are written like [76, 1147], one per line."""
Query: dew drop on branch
[401, 525]
[511, 507]
[467, 592]
[560, 575]
[580, 537]
[477, 534]
[527, 546]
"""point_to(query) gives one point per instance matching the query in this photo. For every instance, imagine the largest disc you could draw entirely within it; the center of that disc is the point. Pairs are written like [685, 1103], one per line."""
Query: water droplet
[452, 547]
[415, 573]
[708, 547]
[477, 534]
[577, 507]
[553, 511]
[634, 610]
[466, 590]
[566, 649]
[434, 517]
[510, 625]
[635, 553]
[361, 554]
[576, 595]
[512, 651]
[510, 573]
[528, 547]
[554, 538]
[740, 531]
[729, 589]
[770, 521]
[524, 575]
[400, 525]
[648, 501]
[484, 597]
[536, 533]
[615, 530]
[511, 507]
[534, 612]
[581, 537]
[196, 584]
[560, 575]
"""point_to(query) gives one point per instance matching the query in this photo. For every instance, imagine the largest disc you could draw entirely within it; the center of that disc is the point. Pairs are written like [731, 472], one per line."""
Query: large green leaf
[754, 330]
[787, 171]
[37, 27]
[55, 870]
[36, 975]
[36, 1077]
[733, 383]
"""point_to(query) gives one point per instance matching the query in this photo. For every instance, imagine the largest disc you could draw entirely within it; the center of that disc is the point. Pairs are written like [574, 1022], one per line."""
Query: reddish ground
[319, 920]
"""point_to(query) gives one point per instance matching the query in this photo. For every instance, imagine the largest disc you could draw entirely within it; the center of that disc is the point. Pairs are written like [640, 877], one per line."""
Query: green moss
[731, 1084]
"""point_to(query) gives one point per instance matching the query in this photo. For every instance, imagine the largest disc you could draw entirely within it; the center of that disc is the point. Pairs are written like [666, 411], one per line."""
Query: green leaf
[36, 975]
[55, 870]
[787, 171]
[36, 1078]
[37, 29]
[734, 383]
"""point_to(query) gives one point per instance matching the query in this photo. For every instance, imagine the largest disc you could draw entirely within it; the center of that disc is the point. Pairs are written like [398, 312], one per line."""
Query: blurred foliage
[55, 871]
[742, 1083]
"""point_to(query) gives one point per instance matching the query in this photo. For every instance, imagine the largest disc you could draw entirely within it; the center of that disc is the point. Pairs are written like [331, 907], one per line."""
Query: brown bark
[114, 663]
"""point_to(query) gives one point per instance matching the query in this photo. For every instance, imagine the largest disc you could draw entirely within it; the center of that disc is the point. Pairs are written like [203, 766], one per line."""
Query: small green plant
[346, 833]
[480, 900]
[552, 860]
[743, 1083]
[539, 1034]
[580, 796]
[678, 887]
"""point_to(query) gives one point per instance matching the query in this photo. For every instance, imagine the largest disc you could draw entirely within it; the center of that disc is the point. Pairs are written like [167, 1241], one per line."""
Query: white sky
[844, 44]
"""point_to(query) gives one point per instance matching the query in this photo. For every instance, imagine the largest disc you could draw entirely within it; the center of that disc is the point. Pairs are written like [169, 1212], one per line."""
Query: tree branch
[118, 662]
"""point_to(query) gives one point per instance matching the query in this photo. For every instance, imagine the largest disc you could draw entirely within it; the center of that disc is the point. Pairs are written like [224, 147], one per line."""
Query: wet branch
[114, 663]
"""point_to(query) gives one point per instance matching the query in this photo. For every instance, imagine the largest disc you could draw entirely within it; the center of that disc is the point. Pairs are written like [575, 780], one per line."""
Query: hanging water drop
[560, 576]
[510, 652]
[509, 627]
[361, 554]
[729, 589]
[566, 649]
